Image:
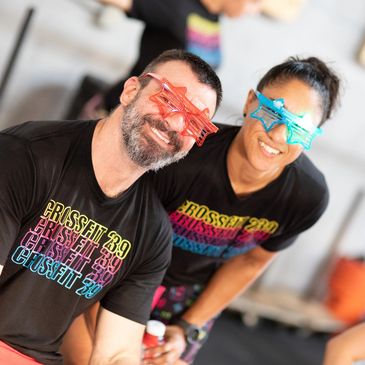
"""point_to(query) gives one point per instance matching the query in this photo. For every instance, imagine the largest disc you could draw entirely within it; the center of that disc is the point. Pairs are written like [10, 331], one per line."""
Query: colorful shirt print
[60, 247]
[203, 231]
[203, 39]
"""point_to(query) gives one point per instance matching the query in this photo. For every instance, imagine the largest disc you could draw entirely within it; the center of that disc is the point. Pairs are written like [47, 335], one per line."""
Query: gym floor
[269, 343]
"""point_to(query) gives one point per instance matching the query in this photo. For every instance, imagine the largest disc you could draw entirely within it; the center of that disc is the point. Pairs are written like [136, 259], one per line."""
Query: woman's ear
[130, 90]
[250, 98]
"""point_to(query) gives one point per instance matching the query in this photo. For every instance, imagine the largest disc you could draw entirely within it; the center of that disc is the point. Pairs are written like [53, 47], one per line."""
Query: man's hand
[169, 352]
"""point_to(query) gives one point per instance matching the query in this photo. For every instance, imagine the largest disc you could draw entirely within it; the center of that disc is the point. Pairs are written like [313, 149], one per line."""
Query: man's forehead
[179, 74]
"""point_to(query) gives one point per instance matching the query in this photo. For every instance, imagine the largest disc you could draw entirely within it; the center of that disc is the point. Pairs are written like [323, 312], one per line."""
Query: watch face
[195, 334]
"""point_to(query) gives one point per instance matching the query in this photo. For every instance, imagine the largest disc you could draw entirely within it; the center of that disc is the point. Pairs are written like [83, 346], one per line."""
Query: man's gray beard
[142, 150]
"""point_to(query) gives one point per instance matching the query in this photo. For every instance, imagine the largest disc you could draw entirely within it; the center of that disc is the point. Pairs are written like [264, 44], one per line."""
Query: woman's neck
[245, 178]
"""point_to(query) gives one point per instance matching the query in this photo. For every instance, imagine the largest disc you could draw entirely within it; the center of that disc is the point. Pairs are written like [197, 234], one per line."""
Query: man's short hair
[204, 72]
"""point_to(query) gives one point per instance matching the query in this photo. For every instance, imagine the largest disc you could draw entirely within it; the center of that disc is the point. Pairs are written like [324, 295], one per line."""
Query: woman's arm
[347, 347]
[232, 279]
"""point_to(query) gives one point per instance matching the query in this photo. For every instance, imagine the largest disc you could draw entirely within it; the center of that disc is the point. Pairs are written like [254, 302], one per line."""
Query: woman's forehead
[298, 96]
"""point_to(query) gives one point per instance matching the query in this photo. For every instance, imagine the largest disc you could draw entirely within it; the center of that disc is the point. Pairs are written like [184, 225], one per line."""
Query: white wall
[63, 45]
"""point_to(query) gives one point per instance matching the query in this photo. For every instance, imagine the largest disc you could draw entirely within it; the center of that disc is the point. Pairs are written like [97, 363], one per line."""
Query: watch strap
[189, 329]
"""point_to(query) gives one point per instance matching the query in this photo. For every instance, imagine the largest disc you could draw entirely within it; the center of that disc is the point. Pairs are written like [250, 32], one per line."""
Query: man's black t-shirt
[211, 224]
[64, 244]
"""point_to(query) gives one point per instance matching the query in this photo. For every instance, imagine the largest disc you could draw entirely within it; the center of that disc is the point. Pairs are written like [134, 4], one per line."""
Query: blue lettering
[197, 247]
[20, 255]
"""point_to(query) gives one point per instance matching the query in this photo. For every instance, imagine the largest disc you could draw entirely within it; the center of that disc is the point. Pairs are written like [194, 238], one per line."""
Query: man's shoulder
[39, 130]
[224, 129]
[217, 141]
[151, 201]
[199, 159]
[45, 143]
[147, 205]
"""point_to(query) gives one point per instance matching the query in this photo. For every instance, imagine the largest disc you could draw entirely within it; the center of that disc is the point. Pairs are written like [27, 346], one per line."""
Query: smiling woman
[246, 194]
[304, 88]
[269, 151]
[270, 113]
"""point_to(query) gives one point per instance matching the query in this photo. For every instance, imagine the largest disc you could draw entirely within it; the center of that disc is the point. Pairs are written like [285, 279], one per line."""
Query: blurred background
[68, 39]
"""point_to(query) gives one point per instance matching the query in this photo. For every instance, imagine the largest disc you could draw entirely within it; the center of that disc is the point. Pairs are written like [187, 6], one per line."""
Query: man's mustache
[162, 125]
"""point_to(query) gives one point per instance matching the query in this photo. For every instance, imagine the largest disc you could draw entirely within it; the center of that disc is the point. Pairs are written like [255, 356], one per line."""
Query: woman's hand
[170, 351]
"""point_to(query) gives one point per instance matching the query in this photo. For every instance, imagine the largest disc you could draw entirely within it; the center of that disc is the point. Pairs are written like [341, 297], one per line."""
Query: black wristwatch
[192, 332]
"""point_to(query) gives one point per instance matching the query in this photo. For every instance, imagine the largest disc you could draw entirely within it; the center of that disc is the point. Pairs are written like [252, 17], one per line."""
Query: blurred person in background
[192, 25]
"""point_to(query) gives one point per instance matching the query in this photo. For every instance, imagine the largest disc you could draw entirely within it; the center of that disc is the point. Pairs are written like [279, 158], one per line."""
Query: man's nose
[176, 121]
[279, 133]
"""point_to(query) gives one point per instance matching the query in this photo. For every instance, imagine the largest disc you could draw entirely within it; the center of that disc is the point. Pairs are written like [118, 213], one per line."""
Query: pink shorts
[10, 356]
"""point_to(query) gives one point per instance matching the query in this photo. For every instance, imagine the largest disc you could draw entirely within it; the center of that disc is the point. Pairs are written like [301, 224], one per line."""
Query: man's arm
[347, 347]
[1, 269]
[17, 189]
[117, 340]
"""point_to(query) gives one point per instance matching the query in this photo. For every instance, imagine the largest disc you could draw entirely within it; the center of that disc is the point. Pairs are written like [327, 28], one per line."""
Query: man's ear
[250, 98]
[130, 90]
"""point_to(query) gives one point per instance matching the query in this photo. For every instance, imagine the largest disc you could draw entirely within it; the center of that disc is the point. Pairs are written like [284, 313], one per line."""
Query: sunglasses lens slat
[174, 100]
[300, 127]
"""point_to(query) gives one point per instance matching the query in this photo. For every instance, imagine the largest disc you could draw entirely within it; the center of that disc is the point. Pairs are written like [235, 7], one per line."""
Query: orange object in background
[346, 290]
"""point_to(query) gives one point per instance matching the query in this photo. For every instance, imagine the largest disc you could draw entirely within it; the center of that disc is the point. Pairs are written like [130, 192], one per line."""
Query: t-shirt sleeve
[160, 14]
[301, 222]
[17, 181]
[132, 298]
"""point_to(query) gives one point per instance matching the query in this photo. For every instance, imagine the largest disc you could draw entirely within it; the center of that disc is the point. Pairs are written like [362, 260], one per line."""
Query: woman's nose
[279, 133]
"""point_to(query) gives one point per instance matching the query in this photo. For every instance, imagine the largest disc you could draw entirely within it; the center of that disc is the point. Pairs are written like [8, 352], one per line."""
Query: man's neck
[115, 172]
[244, 178]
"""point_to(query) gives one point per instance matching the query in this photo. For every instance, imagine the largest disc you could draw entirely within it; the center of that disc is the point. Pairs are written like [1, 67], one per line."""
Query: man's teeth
[159, 135]
[269, 149]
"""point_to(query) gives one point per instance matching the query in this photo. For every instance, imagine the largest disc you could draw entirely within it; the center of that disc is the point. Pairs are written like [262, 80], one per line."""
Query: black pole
[15, 52]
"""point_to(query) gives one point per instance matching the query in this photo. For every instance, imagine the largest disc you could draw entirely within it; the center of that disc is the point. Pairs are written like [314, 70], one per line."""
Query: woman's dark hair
[199, 67]
[314, 73]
